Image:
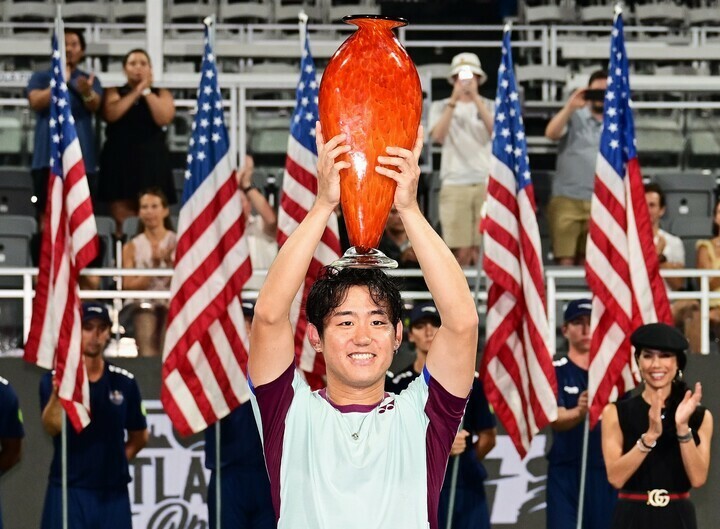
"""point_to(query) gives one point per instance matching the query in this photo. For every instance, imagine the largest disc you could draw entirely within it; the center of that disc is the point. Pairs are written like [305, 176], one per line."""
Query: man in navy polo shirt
[97, 457]
[11, 429]
[85, 93]
[565, 457]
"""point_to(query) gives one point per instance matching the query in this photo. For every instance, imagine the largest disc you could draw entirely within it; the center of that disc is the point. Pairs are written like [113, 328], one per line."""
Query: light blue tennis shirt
[357, 466]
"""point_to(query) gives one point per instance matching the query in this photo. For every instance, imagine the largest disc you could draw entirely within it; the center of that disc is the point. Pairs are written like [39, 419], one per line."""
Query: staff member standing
[657, 444]
[97, 457]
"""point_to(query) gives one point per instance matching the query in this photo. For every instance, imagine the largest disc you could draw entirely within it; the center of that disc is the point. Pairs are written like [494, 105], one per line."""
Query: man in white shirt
[351, 455]
[671, 255]
[463, 125]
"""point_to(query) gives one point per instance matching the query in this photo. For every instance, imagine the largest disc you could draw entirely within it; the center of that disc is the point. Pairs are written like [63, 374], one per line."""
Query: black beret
[661, 337]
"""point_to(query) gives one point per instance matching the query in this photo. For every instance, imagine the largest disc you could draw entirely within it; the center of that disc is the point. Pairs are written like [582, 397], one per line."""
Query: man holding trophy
[348, 455]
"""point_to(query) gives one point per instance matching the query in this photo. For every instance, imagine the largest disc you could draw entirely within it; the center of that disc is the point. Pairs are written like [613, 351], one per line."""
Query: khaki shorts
[568, 219]
[460, 209]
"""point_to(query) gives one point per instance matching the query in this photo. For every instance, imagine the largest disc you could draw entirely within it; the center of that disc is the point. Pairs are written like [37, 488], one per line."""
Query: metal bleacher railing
[556, 294]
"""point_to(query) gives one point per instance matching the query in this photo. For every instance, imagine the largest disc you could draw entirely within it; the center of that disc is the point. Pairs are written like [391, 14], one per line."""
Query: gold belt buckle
[658, 498]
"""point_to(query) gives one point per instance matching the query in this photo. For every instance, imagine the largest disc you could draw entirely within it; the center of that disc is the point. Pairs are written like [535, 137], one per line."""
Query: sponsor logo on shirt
[117, 397]
[573, 390]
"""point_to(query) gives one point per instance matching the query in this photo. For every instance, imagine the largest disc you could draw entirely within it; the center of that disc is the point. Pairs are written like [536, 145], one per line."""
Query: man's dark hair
[597, 74]
[332, 285]
[79, 34]
[655, 188]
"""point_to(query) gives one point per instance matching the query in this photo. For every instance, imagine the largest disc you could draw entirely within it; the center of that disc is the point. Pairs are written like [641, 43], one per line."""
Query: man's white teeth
[361, 356]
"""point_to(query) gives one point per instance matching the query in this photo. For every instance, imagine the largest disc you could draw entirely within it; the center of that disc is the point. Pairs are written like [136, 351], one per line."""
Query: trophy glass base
[372, 259]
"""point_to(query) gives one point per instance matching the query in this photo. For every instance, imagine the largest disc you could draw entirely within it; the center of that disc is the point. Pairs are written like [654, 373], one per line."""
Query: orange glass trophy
[370, 91]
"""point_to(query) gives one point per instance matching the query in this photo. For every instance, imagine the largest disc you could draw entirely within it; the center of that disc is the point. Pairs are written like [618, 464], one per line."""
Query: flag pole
[583, 471]
[60, 34]
[209, 22]
[302, 27]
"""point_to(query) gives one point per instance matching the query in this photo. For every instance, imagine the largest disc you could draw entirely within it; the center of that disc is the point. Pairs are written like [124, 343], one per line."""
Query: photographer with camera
[463, 125]
[577, 127]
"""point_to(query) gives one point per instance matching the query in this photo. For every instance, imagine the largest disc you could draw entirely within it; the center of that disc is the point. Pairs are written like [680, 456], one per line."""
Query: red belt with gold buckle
[655, 497]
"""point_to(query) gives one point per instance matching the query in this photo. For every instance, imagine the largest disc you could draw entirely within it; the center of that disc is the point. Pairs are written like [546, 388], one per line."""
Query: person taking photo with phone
[463, 125]
[577, 127]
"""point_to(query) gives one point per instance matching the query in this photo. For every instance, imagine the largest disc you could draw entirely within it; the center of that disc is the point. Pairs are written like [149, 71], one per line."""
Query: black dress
[135, 155]
[662, 469]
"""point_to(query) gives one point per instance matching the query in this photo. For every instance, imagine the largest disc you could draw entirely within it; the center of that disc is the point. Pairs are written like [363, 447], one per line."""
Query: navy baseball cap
[424, 311]
[95, 311]
[248, 308]
[577, 308]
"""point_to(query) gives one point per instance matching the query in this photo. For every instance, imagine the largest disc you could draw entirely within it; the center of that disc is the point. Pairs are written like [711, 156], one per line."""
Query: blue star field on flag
[62, 123]
[302, 125]
[509, 145]
[209, 141]
[617, 142]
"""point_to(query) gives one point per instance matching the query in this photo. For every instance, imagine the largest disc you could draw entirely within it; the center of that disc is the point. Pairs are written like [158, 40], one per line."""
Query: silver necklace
[356, 435]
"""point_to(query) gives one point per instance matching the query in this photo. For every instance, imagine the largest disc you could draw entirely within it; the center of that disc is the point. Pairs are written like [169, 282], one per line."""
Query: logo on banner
[169, 479]
[518, 484]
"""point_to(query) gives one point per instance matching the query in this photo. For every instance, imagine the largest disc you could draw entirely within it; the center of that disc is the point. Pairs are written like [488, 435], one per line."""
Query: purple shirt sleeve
[273, 400]
[444, 411]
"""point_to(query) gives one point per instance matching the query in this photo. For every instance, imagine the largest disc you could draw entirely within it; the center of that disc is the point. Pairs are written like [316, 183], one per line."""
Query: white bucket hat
[468, 61]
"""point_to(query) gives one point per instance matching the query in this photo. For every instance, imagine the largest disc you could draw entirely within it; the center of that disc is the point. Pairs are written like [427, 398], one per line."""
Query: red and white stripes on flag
[298, 195]
[69, 243]
[204, 373]
[622, 267]
[517, 370]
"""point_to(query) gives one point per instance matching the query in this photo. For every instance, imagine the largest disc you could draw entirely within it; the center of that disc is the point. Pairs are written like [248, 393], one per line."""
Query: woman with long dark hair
[152, 247]
[656, 445]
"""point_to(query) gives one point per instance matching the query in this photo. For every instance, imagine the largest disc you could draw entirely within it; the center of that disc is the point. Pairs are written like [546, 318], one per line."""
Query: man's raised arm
[451, 359]
[272, 346]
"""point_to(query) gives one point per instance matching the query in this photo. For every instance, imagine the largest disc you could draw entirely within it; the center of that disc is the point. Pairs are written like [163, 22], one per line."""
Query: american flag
[69, 243]
[298, 195]
[205, 356]
[622, 267]
[517, 367]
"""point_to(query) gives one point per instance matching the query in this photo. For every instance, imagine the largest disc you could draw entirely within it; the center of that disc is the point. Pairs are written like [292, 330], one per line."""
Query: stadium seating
[691, 230]
[15, 234]
[16, 194]
[687, 194]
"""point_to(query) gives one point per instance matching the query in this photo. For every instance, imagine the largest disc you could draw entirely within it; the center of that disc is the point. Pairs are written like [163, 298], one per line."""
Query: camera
[594, 94]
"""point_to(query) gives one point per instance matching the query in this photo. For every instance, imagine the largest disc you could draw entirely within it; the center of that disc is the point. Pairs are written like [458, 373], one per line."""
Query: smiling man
[351, 455]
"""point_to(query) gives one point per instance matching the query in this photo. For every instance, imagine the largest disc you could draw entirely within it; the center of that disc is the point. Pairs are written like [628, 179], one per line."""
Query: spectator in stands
[472, 443]
[260, 227]
[671, 255]
[463, 124]
[135, 155]
[11, 429]
[565, 456]
[152, 247]
[708, 258]
[396, 245]
[577, 126]
[86, 93]
[246, 500]
[97, 457]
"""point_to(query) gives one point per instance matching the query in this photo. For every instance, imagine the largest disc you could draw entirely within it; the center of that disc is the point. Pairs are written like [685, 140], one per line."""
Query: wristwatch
[89, 97]
[146, 91]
